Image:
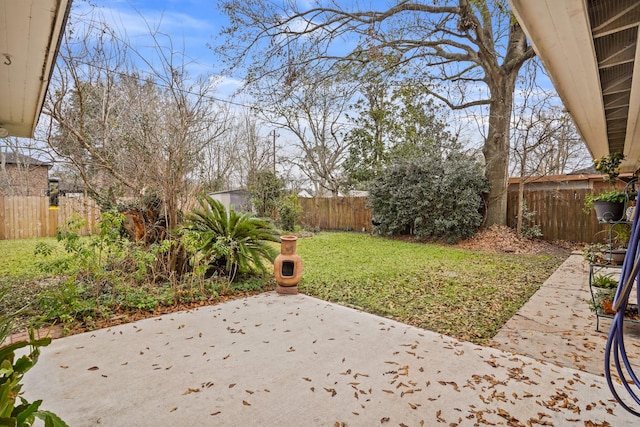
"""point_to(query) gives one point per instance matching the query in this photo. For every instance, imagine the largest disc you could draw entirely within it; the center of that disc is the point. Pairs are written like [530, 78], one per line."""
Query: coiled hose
[615, 341]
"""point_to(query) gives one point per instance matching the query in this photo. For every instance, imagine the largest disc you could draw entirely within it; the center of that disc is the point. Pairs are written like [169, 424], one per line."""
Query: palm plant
[230, 241]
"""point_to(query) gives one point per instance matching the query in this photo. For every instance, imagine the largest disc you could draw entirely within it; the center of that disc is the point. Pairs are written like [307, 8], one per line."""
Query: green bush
[614, 196]
[72, 301]
[229, 242]
[529, 228]
[289, 211]
[265, 189]
[434, 196]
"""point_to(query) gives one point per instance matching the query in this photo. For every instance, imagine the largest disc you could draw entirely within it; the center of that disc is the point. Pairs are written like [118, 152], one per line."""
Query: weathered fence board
[336, 213]
[559, 213]
[25, 217]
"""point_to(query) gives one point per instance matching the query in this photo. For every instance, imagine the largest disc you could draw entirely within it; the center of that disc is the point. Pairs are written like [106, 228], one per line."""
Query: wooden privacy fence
[559, 213]
[336, 213]
[24, 217]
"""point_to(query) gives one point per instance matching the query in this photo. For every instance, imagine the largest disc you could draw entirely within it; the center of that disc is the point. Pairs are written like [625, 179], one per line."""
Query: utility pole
[274, 151]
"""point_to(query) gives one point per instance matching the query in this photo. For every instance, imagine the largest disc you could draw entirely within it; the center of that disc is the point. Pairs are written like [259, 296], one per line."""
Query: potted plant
[609, 206]
[620, 234]
[606, 287]
[594, 253]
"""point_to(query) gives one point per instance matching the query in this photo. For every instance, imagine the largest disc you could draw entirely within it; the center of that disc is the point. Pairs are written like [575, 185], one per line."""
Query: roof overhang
[30, 33]
[590, 49]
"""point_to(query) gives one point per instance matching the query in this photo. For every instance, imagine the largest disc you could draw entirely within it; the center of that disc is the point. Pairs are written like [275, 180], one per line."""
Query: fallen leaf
[93, 368]
[331, 390]
[245, 403]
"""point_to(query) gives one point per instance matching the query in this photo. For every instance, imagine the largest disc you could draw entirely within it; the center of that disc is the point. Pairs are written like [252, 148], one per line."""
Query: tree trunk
[496, 148]
[520, 204]
[521, 182]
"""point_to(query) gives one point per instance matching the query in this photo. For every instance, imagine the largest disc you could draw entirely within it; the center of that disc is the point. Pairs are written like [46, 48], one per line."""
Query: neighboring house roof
[30, 34]
[591, 170]
[229, 192]
[17, 158]
[357, 193]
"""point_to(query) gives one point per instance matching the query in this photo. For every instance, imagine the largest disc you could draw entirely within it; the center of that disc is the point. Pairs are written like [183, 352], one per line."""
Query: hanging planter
[287, 267]
[607, 211]
[609, 206]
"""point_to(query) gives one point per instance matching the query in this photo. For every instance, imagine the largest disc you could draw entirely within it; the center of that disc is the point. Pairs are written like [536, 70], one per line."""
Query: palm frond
[239, 240]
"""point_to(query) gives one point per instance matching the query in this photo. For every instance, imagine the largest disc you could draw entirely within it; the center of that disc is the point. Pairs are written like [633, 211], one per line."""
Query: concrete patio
[294, 360]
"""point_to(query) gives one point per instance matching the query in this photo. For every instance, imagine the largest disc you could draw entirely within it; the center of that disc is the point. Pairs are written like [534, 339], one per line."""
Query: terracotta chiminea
[287, 266]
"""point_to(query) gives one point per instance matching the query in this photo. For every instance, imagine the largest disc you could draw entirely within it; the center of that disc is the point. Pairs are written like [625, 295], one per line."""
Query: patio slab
[293, 360]
[557, 325]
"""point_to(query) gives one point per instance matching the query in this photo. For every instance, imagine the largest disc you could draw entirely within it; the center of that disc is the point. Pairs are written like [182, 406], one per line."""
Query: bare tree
[139, 128]
[467, 53]
[311, 110]
[256, 149]
[545, 140]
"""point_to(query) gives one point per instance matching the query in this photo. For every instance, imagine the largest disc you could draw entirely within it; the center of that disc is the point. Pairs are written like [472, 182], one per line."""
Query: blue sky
[192, 24]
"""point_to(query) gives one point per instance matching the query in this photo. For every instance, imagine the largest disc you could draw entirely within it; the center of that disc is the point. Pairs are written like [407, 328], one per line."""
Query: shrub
[435, 196]
[229, 242]
[265, 189]
[529, 228]
[289, 211]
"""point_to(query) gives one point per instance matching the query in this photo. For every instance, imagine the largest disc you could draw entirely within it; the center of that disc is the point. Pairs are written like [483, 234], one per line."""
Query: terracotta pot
[607, 308]
[287, 267]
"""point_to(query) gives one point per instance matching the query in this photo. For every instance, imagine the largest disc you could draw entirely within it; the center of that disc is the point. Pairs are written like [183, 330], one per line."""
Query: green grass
[462, 293]
[465, 294]
[19, 263]
[21, 273]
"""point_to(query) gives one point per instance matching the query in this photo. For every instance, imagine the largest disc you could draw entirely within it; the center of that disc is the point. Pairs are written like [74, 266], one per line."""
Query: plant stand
[610, 270]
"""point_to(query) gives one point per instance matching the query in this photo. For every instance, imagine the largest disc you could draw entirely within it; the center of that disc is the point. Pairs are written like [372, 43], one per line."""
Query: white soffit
[560, 33]
[30, 31]
[590, 49]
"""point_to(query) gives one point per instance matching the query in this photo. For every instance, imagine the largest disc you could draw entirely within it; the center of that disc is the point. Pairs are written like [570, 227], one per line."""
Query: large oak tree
[467, 53]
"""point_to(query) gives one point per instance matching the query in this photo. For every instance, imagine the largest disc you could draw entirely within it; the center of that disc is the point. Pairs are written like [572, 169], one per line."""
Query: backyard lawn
[463, 293]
